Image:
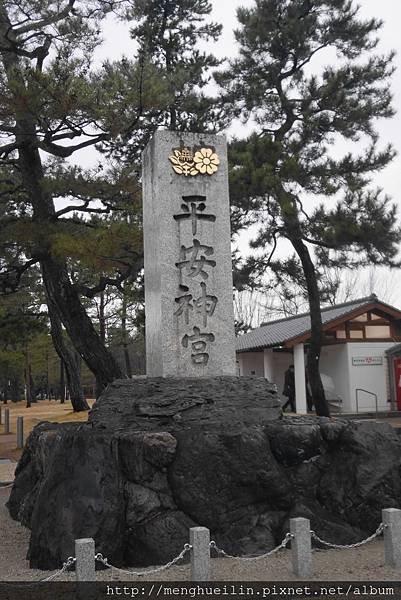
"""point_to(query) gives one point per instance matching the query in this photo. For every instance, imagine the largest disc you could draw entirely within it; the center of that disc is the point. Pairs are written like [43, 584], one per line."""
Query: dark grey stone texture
[161, 456]
[164, 404]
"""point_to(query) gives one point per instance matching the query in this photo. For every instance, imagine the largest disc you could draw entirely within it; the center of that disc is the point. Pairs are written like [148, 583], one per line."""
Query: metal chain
[4, 487]
[68, 563]
[187, 547]
[374, 535]
[283, 544]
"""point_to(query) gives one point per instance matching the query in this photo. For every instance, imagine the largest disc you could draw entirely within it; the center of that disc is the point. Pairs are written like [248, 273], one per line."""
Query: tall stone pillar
[188, 271]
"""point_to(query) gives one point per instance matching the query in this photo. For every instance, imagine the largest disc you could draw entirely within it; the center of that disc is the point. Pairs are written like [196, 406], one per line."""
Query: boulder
[160, 456]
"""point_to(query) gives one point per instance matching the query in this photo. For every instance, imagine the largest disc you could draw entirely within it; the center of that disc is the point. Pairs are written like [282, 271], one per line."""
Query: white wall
[372, 378]
[251, 361]
[334, 363]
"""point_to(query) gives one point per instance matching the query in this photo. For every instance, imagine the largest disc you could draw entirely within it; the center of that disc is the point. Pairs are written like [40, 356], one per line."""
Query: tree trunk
[27, 378]
[32, 384]
[290, 217]
[125, 338]
[62, 381]
[69, 359]
[315, 343]
[102, 333]
[102, 318]
[15, 389]
[60, 292]
[47, 376]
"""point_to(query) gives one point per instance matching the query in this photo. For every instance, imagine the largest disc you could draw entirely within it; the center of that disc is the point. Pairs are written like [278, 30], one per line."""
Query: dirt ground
[359, 564]
[43, 410]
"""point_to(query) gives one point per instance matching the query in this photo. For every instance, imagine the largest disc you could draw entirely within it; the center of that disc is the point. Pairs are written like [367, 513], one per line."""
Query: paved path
[7, 468]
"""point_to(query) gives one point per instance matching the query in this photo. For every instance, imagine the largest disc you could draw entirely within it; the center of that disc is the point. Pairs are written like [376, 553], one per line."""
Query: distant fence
[200, 546]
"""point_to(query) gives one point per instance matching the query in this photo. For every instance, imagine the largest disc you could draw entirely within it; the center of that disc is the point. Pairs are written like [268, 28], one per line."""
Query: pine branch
[133, 270]
[10, 279]
[50, 20]
[66, 151]
[8, 148]
[84, 208]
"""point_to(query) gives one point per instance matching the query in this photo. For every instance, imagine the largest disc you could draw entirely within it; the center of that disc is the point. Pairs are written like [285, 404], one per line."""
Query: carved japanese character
[193, 209]
[185, 306]
[197, 262]
[198, 343]
[204, 305]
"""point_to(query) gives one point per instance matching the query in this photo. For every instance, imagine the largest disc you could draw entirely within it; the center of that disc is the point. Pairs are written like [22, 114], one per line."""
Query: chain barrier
[68, 563]
[4, 487]
[374, 535]
[283, 544]
[187, 547]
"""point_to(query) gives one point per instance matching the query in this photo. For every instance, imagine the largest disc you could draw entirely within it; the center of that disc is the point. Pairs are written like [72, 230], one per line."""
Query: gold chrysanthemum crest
[191, 163]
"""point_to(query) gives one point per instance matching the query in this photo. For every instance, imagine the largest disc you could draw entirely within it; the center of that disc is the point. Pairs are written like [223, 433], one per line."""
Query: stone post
[20, 432]
[392, 536]
[6, 420]
[85, 567]
[199, 538]
[301, 547]
[187, 250]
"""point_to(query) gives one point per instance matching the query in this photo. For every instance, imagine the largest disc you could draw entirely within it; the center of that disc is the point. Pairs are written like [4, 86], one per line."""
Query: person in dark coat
[289, 388]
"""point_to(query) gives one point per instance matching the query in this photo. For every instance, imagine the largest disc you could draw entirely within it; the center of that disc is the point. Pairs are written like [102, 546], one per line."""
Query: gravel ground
[359, 564]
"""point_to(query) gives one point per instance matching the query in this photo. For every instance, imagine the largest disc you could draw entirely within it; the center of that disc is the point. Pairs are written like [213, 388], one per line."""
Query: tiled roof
[278, 332]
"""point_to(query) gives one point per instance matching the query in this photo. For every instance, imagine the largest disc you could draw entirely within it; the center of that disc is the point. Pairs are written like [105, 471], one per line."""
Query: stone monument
[191, 444]
[188, 271]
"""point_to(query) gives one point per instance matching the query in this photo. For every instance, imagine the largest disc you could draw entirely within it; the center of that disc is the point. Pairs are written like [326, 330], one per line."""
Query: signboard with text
[366, 361]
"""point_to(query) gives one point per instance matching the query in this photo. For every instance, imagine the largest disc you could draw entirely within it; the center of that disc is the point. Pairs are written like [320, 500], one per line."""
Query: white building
[359, 359]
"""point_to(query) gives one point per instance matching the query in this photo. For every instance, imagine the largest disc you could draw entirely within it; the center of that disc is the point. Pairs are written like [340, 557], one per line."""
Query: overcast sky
[117, 43]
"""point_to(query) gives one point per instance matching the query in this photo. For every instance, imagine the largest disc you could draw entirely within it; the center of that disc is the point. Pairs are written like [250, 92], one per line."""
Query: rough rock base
[159, 456]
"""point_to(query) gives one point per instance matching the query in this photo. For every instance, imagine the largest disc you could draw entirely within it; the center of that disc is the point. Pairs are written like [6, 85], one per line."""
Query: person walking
[289, 388]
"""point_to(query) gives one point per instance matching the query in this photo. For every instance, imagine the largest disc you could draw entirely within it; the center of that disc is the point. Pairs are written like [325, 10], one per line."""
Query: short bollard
[7, 420]
[199, 538]
[391, 517]
[301, 547]
[20, 432]
[85, 567]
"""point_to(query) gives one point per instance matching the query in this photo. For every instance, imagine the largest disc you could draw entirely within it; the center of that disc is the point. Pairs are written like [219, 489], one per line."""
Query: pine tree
[169, 34]
[52, 106]
[300, 112]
